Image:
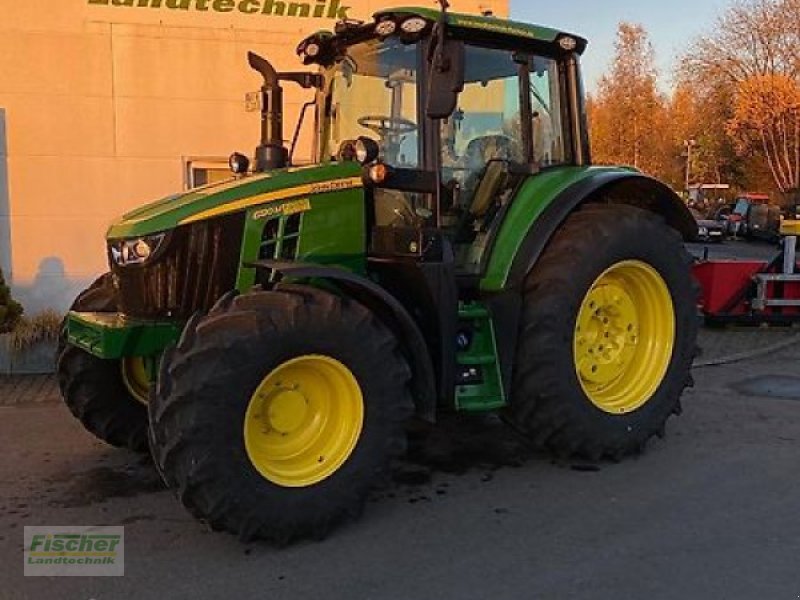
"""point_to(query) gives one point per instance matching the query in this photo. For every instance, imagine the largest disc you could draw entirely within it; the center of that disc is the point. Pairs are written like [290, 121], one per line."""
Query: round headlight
[239, 163]
[366, 150]
[312, 50]
[385, 28]
[413, 25]
[142, 250]
[136, 251]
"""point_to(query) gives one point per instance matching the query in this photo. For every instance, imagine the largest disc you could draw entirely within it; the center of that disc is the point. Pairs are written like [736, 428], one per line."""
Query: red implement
[742, 291]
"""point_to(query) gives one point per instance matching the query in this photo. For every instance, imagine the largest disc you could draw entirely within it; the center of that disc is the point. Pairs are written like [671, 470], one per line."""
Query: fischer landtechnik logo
[74, 551]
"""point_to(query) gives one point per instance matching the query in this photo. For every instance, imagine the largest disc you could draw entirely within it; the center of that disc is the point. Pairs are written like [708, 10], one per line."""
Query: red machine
[751, 291]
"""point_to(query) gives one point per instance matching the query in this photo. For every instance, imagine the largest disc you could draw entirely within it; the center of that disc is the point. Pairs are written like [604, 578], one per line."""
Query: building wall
[102, 101]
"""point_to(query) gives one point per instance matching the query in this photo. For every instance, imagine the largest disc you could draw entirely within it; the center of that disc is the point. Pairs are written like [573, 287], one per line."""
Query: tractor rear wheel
[109, 397]
[608, 334]
[275, 414]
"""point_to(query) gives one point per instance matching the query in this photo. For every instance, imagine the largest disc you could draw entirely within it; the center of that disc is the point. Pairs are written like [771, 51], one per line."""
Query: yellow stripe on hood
[300, 190]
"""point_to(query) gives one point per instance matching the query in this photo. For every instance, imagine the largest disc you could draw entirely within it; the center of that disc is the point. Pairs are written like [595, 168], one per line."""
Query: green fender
[546, 199]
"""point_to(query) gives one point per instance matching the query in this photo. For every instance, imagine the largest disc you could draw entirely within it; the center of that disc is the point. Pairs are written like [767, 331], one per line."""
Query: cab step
[479, 384]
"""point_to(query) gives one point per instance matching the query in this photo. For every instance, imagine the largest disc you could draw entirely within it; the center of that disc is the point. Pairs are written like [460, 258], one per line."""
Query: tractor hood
[235, 195]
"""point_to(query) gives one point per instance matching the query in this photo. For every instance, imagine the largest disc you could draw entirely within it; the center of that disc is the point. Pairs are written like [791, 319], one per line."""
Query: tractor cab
[448, 114]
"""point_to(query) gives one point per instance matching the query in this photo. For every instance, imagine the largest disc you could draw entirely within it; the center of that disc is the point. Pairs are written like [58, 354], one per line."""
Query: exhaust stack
[271, 153]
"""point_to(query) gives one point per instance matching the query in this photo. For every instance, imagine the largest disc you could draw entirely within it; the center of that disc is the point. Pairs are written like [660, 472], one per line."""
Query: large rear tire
[608, 335]
[107, 396]
[276, 413]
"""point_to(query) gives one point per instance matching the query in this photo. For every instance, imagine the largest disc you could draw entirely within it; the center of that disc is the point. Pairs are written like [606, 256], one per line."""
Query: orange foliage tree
[746, 72]
[766, 120]
[628, 114]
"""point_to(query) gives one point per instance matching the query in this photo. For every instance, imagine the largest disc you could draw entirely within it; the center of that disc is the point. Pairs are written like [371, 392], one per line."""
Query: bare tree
[750, 68]
[754, 37]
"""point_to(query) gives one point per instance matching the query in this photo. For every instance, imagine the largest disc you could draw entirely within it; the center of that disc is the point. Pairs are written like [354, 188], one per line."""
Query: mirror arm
[436, 55]
[298, 129]
[305, 80]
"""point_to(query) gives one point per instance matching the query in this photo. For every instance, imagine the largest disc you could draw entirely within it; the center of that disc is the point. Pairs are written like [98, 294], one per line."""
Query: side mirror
[446, 79]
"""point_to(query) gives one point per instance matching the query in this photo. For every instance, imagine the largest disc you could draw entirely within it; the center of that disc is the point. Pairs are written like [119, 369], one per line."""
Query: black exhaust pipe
[271, 153]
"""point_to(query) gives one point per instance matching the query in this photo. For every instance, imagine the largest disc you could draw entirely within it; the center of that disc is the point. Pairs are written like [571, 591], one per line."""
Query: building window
[203, 171]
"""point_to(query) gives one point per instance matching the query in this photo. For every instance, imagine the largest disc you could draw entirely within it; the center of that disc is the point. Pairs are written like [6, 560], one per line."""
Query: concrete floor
[710, 512]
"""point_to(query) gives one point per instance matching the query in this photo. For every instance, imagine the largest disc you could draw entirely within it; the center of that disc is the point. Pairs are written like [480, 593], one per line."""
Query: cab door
[509, 124]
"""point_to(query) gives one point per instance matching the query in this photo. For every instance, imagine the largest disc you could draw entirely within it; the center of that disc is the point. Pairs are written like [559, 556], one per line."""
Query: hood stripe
[300, 190]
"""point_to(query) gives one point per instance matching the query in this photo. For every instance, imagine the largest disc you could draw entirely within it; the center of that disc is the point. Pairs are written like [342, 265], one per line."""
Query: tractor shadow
[456, 446]
[459, 444]
[105, 482]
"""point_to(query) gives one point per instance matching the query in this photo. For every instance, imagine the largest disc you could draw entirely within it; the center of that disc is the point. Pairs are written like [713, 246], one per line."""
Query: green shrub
[10, 311]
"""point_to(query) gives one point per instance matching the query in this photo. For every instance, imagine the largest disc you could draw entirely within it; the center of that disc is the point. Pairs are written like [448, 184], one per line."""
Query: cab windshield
[372, 92]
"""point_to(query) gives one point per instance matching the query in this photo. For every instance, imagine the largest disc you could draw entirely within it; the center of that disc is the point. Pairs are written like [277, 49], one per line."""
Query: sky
[671, 25]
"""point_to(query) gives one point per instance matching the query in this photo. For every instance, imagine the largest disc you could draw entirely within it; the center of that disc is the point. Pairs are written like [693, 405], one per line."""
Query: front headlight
[703, 231]
[136, 251]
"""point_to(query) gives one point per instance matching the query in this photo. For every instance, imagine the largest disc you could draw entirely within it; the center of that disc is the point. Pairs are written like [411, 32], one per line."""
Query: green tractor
[271, 337]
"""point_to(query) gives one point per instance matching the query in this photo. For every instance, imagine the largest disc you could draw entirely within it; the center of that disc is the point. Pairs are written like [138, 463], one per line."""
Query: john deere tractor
[453, 249]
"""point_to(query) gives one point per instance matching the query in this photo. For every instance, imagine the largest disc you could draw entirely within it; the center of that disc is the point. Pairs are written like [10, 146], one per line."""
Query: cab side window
[487, 124]
[547, 105]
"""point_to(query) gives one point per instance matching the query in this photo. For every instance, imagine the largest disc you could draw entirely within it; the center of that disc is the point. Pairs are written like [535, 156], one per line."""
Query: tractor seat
[487, 158]
[490, 147]
[489, 187]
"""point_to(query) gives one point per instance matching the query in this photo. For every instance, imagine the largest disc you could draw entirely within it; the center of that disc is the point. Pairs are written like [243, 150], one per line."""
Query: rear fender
[526, 241]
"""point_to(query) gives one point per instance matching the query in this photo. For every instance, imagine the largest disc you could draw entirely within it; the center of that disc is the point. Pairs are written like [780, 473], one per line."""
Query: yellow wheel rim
[304, 421]
[624, 337]
[136, 378]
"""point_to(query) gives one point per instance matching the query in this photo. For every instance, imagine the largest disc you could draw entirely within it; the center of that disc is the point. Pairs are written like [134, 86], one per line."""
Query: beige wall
[100, 106]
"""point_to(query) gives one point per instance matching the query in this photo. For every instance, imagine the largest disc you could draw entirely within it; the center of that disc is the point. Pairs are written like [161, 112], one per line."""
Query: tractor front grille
[196, 265]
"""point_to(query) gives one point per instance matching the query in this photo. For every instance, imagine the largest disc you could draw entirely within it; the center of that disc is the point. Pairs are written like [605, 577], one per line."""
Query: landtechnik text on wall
[318, 9]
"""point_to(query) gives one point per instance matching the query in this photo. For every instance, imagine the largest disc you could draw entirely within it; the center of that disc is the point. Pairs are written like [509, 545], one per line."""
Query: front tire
[276, 413]
[608, 334]
[107, 396]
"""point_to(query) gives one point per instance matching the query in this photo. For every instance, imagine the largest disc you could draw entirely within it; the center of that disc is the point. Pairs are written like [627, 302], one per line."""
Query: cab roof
[490, 25]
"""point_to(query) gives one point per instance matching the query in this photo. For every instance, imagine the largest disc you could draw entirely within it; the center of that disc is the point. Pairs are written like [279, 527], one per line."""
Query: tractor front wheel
[109, 397]
[276, 413]
[608, 334]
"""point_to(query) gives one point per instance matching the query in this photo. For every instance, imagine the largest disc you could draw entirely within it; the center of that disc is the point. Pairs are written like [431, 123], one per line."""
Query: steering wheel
[385, 126]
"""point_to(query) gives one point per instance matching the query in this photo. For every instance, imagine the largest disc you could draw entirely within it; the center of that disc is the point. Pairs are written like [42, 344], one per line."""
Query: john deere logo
[316, 9]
